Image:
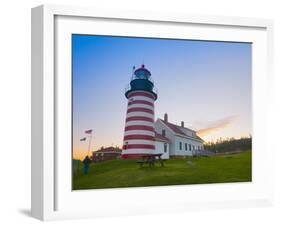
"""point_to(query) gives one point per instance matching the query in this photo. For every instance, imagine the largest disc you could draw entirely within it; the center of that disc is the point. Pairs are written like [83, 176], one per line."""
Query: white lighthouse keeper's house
[181, 141]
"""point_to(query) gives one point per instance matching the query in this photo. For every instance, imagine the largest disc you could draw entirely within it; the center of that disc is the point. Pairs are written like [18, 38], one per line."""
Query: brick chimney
[182, 124]
[166, 117]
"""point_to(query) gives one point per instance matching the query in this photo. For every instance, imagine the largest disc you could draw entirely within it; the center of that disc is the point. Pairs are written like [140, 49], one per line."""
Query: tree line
[229, 145]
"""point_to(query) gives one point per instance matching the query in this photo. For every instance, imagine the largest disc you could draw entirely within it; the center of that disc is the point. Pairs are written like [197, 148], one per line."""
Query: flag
[83, 139]
[89, 131]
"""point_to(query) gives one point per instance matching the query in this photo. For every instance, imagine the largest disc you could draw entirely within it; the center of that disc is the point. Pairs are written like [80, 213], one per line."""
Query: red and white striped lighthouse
[139, 135]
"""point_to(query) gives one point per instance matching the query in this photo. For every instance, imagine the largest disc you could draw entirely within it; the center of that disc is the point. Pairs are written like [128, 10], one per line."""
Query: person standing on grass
[86, 163]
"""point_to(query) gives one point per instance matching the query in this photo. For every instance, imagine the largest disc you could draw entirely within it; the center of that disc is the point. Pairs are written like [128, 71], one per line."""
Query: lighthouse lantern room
[139, 136]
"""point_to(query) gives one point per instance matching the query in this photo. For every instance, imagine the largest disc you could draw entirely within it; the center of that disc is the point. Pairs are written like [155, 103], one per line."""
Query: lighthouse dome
[142, 73]
[141, 81]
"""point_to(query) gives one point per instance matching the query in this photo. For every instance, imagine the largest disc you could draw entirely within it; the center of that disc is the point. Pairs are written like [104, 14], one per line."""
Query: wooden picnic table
[151, 159]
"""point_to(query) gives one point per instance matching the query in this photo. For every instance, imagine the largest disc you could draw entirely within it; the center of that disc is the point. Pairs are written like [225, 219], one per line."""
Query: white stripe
[141, 106]
[139, 132]
[142, 98]
[150, 142]
[138, 151]
[138, 113]
[139, 122]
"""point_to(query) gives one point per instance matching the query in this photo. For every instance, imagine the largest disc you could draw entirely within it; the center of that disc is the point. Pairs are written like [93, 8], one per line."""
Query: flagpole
[90, 140]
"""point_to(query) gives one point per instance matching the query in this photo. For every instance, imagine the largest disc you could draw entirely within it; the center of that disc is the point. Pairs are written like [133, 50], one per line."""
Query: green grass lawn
[127, 173]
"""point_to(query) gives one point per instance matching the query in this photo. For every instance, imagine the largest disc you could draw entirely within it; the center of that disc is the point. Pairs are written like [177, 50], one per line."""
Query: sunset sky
[205, 84]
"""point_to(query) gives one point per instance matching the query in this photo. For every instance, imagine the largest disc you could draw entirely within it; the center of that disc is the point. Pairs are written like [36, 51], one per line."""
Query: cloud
[217, 125]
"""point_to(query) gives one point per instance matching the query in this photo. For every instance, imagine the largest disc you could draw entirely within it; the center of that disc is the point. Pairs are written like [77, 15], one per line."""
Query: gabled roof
[177, 130]
[199, 138]
[108, 149]
[160, 137]
[174, 127]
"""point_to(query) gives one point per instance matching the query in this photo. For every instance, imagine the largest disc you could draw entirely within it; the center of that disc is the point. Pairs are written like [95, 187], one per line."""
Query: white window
[165, 147]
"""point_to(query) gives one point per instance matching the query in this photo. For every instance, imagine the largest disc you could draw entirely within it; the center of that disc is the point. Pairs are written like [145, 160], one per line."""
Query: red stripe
[139, 118]
[132, 156]
[139, 127]
[142, 146]
[140, 102]
[140, 110]
[139, 137]
[143, 94]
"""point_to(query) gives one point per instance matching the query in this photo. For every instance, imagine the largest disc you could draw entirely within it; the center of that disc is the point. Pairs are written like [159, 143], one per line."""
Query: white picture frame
[52, 197]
